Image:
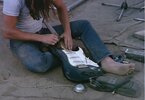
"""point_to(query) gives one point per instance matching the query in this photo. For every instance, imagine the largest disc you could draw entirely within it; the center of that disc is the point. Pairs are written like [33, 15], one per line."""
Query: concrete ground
[17, 83]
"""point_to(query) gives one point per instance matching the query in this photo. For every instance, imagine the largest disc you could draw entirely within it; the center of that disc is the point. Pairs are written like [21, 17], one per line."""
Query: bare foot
[109, 65]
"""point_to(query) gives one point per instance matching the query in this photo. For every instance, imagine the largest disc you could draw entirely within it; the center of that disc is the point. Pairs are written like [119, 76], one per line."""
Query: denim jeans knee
[32, 57]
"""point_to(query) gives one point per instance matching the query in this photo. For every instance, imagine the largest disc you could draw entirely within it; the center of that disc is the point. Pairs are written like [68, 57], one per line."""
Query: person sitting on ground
[23, 20]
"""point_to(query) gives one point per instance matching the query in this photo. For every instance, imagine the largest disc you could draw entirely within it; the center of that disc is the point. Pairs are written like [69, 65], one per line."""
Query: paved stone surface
[140, 34]
[17, 83]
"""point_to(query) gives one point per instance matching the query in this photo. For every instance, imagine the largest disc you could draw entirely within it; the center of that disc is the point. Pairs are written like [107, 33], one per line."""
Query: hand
[67, 40]
[50, 39]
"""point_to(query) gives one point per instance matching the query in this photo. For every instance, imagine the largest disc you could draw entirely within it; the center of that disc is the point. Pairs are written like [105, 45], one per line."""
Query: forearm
[64, 19]
[11, 32]
[19, 35]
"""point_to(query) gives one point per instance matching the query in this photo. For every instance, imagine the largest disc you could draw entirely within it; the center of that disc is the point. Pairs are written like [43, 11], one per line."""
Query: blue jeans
[37, 61]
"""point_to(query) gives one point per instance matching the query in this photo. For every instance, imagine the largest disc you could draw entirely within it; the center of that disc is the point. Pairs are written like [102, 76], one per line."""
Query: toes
[130, 71]
[126, 69]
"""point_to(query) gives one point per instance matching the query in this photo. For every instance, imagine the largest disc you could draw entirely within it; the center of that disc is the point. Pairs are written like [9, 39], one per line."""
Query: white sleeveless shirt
[25, 22]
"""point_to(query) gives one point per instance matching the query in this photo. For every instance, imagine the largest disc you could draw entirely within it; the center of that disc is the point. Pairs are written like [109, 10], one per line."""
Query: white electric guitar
[76, 66]
[77, 58]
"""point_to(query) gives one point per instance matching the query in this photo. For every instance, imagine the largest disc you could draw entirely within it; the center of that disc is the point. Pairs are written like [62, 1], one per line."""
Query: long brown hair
[39, 8]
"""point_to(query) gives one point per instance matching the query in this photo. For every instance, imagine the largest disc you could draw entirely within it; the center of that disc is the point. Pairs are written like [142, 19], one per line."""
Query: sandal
[130, 89]
[115, 84]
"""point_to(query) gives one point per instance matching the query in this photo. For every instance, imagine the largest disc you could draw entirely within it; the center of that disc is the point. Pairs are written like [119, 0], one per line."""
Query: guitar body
[77, 67]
